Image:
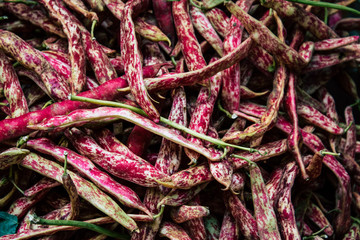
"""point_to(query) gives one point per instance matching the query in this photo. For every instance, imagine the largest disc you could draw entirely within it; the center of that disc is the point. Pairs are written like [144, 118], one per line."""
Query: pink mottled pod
[12, 156]
[219, 20]
[44, 183]
[163, 15]
[229, 229]
[185, 213]
[315, 214]
[173, 231]
[330, 44]
[191, 177]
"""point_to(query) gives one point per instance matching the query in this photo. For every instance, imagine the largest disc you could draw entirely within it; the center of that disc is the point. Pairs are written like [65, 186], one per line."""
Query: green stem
[3, 17]
[65, 163]
[21, 1]
[356, 220]
[48, 103]
[160, 212]
[17, 63]
[13, 182]
[227, 113]
[4, 104]
[163, 120]
[173, 60]
[327, 5]
[244, 158]
[93, 29]
[326, 15]
[22, 140]
[324, 152]
[348, 127]
[37, 220]
[195, 4]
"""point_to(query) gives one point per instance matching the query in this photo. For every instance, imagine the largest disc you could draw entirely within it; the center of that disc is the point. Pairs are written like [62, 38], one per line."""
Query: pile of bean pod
[200, 119]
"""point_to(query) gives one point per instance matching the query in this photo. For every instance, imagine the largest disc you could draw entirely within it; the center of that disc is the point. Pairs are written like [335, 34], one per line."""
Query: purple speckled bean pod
[203, 26]
[273, 185]
[245, 221]
[347, 24]
[191, 177]
[195, 227]
[153, 56]
[330, 44]
[35, 16]
[316, 118]
[261, 59]
[353, 233]
[350, 144]
[294, 136]
[265, 38]
[315, 214]
[222, 171]
[120, 166]
[264, 152]
[313, 169]
[170, 81]
[219, 20]
[132, 63]
[320, 61]
[86, 190]
[22, 205]
[200, 118]
[79, 7]
[82, 116]
[30, 58]
[263, 209]
[306, 50]
[44, 183]
[284, 206]
[237, 183]
[163, 14]
[306, 99]
[122, 193]
[229, 229]
[169, 158]
[178, 197]
[187, 212]
[11, 156]
[56, 44]
[149, 31]
[173, 231]
[298, 14]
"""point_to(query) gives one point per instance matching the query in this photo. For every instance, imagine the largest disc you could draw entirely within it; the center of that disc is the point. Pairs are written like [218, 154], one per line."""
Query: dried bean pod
[12, 156]
[298, 14]
[122, 193]
[245, 221]
[132, 63]
[44, 183]
[85, 189]
[36, 17]
[265, 38]
[203, 26]
[186, 212]
[173, 231]
[284, 206]
[315, 165]
[263, 209]
[30, 58]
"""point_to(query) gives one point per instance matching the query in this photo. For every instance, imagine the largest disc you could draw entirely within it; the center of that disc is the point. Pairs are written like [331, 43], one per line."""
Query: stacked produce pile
[181, 120]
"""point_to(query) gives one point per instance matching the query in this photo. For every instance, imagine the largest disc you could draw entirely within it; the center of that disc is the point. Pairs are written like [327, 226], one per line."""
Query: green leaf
[8, 223]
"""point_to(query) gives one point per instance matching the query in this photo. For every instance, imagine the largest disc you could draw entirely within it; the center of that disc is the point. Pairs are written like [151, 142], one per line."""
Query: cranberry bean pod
[56, 44]
[79, 6]
[44, 183]
[273, 184]
[149, 31]
[315, 166]
[265, 38]
[228, 229]
[353, 233]
[122, 193]
[263, 152]
[132, 63]
[35, 16]
[195, 229]
[350, 144]
[200, 118]
[191, 177]
[84, 115]
[262, 60]
[306, 50]
[330, 44]
[237, 183]
[178, 197]
[86, 190]
[12, 156]
[263, 209]
[284, 206]
[222, 171]
[306, 99]
[186, 212]
[316, 118]
[116, 164]
[20, 207]
[203, 26]
[315, 214]
[30, 58]
[163, 14]
[73, 195]
[305, 19]
[173, 231]
[12, 88]
[219, 20]
[294, 136]
[245, 221]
